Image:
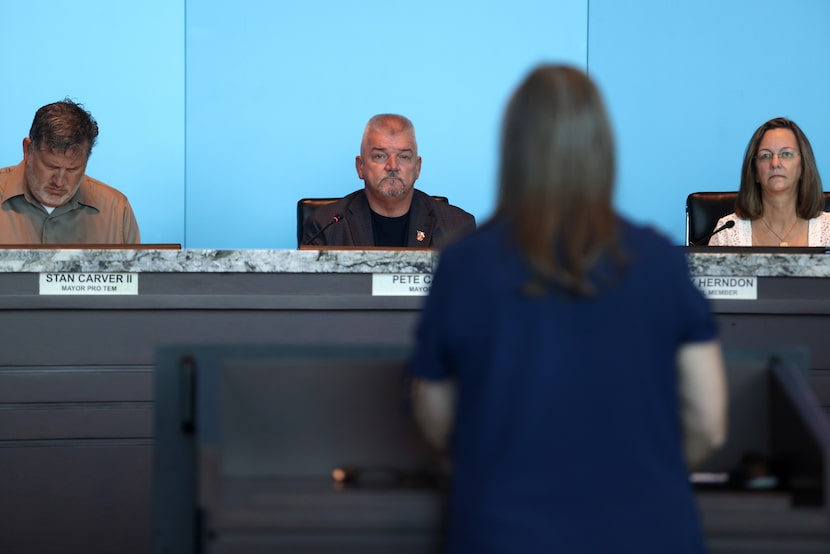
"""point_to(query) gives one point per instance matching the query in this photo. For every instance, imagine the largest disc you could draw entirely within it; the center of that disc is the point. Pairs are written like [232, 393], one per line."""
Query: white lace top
[741, 233]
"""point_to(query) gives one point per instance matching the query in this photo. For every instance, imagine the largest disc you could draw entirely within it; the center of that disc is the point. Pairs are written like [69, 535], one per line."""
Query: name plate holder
[727, 287]
[401, 284]
[86, 283]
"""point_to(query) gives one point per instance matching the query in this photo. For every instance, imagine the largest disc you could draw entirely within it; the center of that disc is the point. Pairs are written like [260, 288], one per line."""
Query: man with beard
[388, 211]
[48, 199]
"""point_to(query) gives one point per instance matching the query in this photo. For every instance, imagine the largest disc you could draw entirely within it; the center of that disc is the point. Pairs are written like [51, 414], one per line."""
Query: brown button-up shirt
[97, 214]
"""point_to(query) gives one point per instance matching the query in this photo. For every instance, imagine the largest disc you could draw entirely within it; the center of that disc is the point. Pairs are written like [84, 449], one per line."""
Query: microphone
[334, 220]
[705, 240]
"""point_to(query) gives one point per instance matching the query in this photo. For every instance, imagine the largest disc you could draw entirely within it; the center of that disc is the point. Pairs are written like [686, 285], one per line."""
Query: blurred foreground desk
[243, 465]
[76, 366]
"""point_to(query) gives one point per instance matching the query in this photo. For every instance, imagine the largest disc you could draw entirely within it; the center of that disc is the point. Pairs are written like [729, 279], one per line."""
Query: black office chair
[704, 209]
[307, 206]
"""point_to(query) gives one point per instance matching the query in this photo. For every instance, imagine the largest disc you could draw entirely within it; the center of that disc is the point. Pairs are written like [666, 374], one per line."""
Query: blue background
[217, 117]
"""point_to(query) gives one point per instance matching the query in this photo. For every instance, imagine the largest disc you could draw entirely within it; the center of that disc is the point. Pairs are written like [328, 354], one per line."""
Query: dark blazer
[435, 223]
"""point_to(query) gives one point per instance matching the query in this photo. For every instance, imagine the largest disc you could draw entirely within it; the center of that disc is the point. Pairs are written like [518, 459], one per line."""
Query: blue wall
[688, 83]
[215, 117]
[278, 94]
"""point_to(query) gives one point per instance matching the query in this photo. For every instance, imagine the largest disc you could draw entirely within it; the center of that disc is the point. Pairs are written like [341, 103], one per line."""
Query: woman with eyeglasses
[564, 358]
[781, 200]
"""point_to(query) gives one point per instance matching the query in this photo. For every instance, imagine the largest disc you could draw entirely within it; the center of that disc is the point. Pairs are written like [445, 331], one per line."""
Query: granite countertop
[353, 261]
[217, 261]
[759, 264]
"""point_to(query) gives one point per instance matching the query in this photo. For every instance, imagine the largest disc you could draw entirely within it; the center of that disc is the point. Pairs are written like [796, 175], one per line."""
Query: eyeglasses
[784, 155]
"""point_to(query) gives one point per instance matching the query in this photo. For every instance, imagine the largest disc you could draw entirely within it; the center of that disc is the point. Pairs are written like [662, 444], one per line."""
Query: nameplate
[88, 283]
[727, 288]
[401, 284]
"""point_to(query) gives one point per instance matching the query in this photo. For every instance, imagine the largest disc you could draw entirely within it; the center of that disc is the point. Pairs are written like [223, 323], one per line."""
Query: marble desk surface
[217, 261]
[778, 264]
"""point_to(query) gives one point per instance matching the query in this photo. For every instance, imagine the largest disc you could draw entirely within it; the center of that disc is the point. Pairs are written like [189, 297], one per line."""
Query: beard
[391, 186]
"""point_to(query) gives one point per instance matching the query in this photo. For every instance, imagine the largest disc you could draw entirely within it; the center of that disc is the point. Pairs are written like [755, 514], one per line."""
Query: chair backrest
[704, 209]
[307, 206]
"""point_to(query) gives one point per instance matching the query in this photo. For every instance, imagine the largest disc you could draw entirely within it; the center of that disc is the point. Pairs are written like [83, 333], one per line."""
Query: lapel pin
[420, 236]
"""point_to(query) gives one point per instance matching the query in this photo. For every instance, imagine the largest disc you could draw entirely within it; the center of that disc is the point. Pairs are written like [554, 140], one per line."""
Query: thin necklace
[783, 241]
